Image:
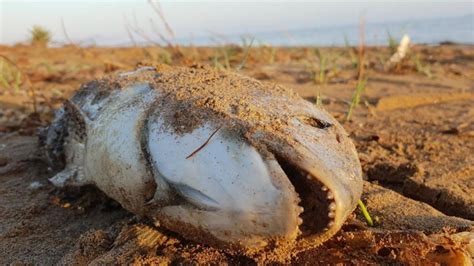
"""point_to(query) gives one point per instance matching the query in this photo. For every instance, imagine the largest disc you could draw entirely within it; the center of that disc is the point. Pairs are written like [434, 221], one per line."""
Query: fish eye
[315, 122]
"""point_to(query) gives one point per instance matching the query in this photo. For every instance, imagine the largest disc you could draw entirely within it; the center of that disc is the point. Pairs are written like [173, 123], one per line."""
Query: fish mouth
[318, 205]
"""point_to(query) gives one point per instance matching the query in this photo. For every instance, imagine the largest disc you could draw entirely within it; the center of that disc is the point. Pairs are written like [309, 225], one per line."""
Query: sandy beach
[413, 129]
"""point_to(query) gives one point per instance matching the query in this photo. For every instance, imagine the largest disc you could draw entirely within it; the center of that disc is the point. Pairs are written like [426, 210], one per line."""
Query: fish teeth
[330, 224]
[300, 209]
[324, 188]
[330, 195]
[298, 233]
[299, 221]
[331, 215]
[308, 176]
[332, 206]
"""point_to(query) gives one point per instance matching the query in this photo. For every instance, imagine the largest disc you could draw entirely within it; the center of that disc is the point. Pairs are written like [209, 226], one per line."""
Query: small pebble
[35, 185]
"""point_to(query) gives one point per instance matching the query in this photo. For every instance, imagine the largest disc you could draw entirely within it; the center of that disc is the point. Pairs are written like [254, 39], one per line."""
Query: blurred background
[278, 23]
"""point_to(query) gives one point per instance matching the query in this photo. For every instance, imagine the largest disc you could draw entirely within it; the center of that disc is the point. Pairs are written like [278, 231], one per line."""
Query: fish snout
[322, 164]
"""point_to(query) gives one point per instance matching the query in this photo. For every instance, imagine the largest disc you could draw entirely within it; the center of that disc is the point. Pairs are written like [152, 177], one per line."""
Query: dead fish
[215, 156]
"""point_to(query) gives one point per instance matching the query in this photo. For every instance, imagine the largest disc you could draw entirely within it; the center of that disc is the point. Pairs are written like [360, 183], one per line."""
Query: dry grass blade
[129, 32]
[136, 29]
[361, 49]
[63, 26]
[169, 39]
[246, 55]
[362, 79]
[350, 51]
[226, 57]
[160, 35]
[323, 60]
[159, 11]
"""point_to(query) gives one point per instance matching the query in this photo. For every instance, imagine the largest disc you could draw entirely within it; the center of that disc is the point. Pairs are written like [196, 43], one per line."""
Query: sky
[103, 22]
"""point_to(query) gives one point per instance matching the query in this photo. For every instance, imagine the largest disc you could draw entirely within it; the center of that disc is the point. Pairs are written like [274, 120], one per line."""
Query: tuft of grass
[246, 46]
[320, 72]
[356, 99]
[311, 68]
[215, 60]
[165, 57]
[420, 67]
[10, 77]
[18, 80]
[392, 43]
[365, 213]
[39, 36]
[225, 52]
[323, 62]
[351, 52]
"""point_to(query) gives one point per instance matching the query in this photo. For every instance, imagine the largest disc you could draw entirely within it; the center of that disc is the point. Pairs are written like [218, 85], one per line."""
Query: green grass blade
[356, 99]
[366, 214]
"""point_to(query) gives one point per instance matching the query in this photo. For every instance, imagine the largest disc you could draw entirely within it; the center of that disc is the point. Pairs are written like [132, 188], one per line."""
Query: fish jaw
[225, 188]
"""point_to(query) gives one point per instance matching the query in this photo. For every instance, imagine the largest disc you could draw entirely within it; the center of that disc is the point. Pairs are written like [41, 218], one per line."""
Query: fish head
[321, 162]
[291, 173]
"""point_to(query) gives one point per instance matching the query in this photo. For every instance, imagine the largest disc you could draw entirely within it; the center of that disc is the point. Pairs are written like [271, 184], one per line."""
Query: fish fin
[70, 176]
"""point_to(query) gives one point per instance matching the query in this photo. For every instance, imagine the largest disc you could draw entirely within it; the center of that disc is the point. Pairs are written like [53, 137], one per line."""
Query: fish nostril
[315, 122]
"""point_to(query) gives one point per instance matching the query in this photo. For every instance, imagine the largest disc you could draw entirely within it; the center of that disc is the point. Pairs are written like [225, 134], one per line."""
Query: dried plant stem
[159, 11]
[129, 32]
[246, 55]
[160, 35]
[138, 31]
[362, 79]
[361, 49]
[63, 26]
